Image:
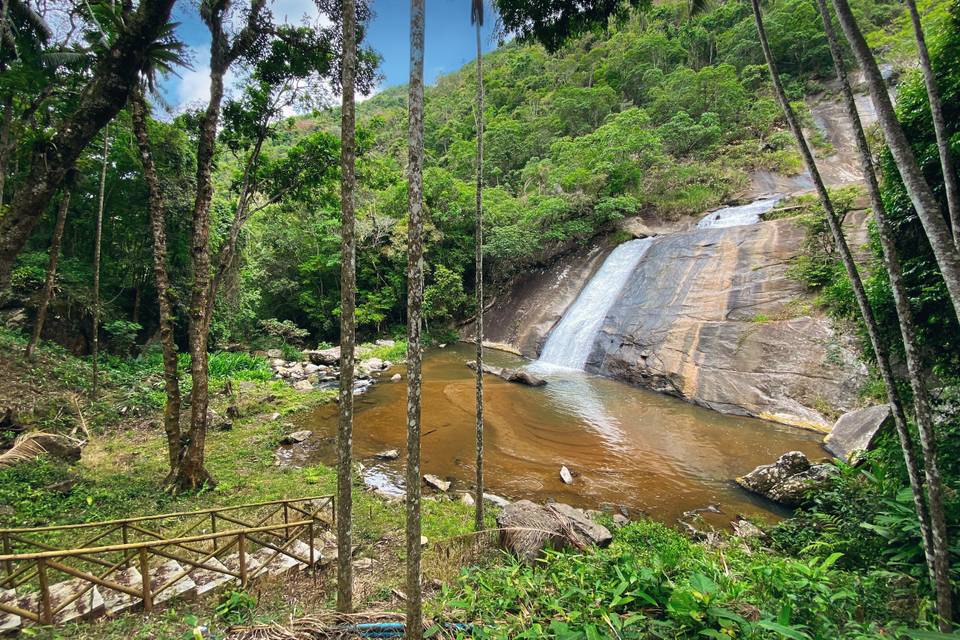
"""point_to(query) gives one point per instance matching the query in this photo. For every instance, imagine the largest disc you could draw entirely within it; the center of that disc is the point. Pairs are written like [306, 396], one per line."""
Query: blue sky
[450, 42]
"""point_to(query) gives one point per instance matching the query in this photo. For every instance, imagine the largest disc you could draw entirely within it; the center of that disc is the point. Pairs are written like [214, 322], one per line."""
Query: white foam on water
[571, 341]
[738, 216]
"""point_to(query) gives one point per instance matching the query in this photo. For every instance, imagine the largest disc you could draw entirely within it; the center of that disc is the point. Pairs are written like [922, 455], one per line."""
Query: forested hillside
[665, 114]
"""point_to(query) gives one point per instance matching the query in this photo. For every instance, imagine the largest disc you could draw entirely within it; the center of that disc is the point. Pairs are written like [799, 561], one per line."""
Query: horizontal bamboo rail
[166, 516]
[190, 551]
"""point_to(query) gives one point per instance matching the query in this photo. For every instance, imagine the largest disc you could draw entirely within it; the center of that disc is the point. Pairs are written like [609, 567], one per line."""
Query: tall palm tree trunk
[171, 376]
[939, 124]
[347, 314]
[883, 362]
[414, 317]
[935, 547]
[926, 205]
[50, 280]
[476, 17]
[97, 237]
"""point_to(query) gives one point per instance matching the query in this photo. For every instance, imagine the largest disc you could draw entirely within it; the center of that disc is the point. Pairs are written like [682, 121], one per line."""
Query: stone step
[232, 562]
[301, 549]
[272, 563]
[116, 601]
[207, 580]
[184, 588]
[9, 622]
[87, 607]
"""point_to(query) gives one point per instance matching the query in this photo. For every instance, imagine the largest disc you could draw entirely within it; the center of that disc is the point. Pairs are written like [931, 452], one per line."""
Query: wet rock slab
[518, 376]
[856, 431]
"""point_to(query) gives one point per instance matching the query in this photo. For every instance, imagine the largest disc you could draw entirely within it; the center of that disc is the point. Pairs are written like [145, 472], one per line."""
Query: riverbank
[651, 581]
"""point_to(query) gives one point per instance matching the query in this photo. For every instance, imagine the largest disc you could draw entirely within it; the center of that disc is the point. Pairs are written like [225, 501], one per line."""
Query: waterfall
[571, 341]
[738, 216]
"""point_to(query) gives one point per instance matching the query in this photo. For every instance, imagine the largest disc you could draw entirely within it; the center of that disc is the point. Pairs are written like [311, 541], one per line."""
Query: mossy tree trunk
[97, 238]
[880, 351]
[924, 202]
[348, 286]
[936, 554]
[50, 280]
[476, 16]
[414, 318]
[171, 377]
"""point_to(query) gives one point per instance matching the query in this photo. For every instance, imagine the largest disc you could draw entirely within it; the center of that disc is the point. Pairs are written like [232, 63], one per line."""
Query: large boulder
[528, 528]
[857, 431]
[325, 357]
[788, 480]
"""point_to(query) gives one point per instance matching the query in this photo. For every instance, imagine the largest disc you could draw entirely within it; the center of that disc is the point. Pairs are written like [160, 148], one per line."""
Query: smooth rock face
[711, 315]
[788, 480]
[856, 431]
[529, 528]
[708, 315]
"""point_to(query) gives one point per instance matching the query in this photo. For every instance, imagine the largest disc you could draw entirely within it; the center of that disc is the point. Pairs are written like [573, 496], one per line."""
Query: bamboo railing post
[313, 568]
[286, 520]
[242, 556]
[8, 565]
[213, 527]
[145, 580]
[124, 536]
[46, 615]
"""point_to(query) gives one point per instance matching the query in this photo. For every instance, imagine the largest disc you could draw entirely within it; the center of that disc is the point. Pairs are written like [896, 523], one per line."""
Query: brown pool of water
[624, 445]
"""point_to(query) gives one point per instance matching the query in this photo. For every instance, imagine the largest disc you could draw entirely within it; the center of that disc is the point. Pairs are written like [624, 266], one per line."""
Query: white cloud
[194, 86]
[293, 11]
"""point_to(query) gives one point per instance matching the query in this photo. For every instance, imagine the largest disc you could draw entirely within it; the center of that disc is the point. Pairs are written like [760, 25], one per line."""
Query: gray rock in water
[788, 480]
[765, 477]
[565, 475]
[388, 454]
[856, 432]
[529, 528]
[437, 483]
[396, 377]
[496, 500]
[793, 491]
[518, 376]
[296, 437]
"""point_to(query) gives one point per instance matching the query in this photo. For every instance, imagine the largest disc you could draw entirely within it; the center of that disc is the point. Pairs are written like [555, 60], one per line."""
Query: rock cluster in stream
[320, 369]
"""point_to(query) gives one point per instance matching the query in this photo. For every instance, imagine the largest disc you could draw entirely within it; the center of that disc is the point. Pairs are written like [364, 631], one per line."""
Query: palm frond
[22, 11]
[24, 448]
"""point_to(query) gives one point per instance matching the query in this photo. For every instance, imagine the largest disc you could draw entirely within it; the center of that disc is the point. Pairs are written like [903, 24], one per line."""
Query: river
[625, 446]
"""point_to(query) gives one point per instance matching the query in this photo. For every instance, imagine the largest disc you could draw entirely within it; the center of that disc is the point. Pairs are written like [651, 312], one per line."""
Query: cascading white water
[570, 342]
[738, 216]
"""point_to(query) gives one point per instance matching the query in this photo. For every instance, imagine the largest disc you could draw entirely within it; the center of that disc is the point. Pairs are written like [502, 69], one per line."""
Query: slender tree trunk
[936, 553]
[6, 148]
[171, 376]
[928, 210]
[935, 547]
[97, 237]
[414, 313]
[50, 280]
[347, 314]
[883, 362]
[101, 99]
[478, 258]
[939, 124]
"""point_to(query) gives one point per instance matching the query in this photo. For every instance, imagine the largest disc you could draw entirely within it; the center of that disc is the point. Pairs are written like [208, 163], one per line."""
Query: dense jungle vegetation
[666, 114]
